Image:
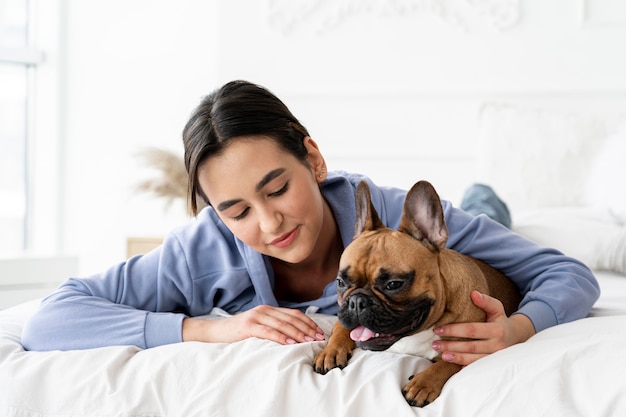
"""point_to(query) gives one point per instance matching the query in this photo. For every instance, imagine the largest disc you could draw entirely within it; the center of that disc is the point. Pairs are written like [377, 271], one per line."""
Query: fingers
[479, 339]
[462, 359]
[491, 306]
[281, 325]
[465, 352]
[491, 328]
[482, 331]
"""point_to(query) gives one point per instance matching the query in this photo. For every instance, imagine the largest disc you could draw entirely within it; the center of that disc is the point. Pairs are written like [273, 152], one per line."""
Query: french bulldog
[394, 285]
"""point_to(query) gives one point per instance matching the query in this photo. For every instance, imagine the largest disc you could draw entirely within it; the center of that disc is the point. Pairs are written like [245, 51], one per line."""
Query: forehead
[245, 147]
[390, 250]
[241, 166]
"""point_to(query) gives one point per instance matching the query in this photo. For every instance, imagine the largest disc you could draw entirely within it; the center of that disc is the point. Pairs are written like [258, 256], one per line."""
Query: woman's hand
[281, 325]
[498, 332]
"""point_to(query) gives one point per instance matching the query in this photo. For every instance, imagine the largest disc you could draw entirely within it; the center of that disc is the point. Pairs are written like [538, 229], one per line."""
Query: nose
[359, 303]
[270, 220]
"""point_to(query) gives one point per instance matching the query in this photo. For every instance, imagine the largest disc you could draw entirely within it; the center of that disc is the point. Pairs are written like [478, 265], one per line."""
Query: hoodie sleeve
[556, 288]
[143, 301]
[129, 304]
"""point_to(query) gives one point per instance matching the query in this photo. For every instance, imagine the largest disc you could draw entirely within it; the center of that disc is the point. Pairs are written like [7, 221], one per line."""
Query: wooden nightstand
[141, 245]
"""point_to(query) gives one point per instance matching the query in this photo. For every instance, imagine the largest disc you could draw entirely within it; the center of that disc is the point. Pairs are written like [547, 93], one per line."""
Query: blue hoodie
[202, 265]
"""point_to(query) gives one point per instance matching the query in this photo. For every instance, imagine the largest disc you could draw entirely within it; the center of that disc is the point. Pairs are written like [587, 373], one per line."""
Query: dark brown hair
[239, 108]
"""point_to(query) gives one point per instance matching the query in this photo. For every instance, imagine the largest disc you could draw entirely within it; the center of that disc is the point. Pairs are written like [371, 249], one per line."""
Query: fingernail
[320, 336]
[291, 342]
[308, 338]
[436, 346]
[438, 330]
[448, 357]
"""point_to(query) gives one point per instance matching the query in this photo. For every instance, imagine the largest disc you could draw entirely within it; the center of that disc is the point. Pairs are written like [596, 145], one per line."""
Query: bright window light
[14, 98]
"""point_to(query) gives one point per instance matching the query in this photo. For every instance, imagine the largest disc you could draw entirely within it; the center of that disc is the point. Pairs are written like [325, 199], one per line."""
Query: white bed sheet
[576, 369]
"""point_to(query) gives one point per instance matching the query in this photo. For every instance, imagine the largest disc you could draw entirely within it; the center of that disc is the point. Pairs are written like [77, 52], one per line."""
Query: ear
[366, 216]
[422, 216]
[316, 160]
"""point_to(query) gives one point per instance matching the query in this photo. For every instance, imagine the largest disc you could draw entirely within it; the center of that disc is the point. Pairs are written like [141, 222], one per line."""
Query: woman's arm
[121, 306]
[556, 289]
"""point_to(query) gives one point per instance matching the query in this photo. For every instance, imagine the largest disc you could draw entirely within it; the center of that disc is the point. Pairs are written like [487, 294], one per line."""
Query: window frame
[42, 58]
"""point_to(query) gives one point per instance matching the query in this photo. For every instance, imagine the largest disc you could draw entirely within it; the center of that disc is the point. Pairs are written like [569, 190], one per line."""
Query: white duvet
[576, 369]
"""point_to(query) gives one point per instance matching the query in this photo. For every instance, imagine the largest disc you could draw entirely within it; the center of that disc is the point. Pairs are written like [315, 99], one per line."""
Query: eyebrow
[269, 177]
[264, 181]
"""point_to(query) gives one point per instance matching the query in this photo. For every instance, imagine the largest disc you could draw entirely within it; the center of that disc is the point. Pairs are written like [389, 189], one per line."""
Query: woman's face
[267, 197]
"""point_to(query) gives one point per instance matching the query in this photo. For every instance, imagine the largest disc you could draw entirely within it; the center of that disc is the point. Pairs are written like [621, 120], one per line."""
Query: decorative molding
[320, 16]
[603, 12]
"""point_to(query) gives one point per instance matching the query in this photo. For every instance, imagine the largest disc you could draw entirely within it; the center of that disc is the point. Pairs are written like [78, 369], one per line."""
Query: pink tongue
[361, 334]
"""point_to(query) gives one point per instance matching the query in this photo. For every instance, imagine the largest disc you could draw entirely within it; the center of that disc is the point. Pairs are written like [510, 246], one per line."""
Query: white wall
[135, 70]
[391, 93]
[548, 47]
[394, 89]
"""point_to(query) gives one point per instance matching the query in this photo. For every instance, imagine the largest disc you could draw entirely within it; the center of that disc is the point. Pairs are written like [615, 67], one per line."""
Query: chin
[291, 256]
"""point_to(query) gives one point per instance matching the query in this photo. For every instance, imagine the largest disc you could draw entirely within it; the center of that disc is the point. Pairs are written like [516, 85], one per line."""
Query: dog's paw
[331, 358]
[424, 387]
[420, 392]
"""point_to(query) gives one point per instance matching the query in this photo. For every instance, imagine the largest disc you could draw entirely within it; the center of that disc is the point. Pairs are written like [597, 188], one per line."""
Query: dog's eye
[340, 282]
[393, 285]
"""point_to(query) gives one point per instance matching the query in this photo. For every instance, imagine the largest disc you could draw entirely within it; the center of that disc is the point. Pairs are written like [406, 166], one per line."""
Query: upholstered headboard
[539, 157]
[562, 175]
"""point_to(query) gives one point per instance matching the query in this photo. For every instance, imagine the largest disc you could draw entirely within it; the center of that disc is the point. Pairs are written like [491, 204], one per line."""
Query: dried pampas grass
[170, 183]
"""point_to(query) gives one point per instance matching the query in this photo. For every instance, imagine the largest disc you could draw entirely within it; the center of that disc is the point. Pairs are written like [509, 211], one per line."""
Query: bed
[574, 369]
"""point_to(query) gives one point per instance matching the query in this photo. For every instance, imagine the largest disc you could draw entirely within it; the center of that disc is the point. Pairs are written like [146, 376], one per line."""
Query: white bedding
[576, 369]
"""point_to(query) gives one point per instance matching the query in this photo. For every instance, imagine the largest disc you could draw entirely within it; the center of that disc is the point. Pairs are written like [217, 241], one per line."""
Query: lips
[285, 239]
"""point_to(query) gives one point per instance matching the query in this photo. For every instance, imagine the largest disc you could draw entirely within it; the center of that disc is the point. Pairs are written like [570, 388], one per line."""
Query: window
[18, 60]
[12, 158]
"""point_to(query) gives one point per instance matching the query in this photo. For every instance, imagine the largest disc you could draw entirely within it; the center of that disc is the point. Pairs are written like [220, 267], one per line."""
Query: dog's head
[389, 285]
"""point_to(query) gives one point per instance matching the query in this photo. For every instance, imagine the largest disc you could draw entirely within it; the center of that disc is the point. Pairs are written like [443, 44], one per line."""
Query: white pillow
[591, 235]
[537, 157]
[605, 182]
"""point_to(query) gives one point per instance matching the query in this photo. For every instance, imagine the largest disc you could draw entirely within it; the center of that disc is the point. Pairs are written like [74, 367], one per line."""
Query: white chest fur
[419, 344]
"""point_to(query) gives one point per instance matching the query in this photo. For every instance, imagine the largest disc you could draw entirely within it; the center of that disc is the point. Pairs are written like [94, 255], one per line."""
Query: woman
[268, 247]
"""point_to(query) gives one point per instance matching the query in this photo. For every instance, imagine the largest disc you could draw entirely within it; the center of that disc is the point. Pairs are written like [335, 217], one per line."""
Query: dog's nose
[358, 303]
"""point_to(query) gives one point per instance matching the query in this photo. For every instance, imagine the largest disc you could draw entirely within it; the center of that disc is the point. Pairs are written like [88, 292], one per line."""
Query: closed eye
[243, 214]
[280, 192]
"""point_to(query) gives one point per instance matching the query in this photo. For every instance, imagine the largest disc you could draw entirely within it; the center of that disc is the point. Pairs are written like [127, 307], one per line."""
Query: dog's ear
[422, 216]
[366, 216]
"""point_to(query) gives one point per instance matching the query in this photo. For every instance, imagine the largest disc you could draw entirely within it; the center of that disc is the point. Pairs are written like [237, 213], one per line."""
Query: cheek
[313, 204]
[305, 206]
[243, 230]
